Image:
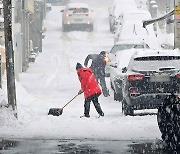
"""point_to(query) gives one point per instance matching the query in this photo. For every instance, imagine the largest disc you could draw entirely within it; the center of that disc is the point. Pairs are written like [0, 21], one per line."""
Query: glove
[80, 92]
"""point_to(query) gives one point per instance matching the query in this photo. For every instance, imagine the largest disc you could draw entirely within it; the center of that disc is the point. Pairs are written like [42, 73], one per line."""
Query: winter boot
[102, 114]
[87, 116]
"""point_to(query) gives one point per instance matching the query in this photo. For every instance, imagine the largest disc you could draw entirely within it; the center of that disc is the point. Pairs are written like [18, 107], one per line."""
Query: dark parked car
[150, 77]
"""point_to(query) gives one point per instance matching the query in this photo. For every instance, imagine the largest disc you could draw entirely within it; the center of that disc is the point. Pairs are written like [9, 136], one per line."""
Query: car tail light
[134, 77]
[68, 15]
[88, 14]
[178, 75]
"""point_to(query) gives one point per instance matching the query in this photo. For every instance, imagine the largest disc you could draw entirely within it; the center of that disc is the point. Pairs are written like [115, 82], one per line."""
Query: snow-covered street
[52, 81]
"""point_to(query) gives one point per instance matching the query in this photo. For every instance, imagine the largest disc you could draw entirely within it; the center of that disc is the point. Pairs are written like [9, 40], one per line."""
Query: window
[128, 46]
[78, 10]
[154, 63]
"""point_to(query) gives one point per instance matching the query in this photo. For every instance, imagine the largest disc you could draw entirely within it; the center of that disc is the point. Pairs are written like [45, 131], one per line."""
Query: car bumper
[147, 101]
[82, 26]
[72, 22]
[78, 25]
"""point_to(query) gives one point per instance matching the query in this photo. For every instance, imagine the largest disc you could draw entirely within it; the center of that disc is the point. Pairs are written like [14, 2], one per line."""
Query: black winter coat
[89, 57]
[98, 66]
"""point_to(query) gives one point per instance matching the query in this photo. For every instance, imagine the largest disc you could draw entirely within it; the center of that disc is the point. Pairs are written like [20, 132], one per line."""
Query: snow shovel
[59, 111]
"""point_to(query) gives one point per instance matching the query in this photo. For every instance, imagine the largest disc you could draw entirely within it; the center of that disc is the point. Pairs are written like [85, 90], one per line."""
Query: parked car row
[126, 21]
[141, 73]
[142, 78]
[116, 9]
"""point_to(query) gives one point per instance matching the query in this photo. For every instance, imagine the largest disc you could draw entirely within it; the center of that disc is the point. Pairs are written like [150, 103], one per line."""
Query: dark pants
[94, 99]
[102, 81]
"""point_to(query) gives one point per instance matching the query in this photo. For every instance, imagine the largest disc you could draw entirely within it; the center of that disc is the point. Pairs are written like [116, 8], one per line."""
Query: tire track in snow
[62, 67]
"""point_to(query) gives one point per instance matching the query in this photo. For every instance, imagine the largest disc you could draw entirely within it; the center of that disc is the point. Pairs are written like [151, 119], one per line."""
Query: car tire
[65, 28]
[126, 109]
[32, 60]
[118, 96]
[90, 28]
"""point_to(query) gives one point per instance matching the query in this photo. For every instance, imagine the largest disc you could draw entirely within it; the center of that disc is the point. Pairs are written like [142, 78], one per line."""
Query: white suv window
[79, 10]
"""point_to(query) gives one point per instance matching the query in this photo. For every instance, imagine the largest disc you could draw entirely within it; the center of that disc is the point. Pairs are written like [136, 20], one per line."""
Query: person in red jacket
[91, 89]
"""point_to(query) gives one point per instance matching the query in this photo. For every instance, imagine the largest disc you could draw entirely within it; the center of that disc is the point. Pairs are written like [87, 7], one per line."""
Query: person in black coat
[98, 66]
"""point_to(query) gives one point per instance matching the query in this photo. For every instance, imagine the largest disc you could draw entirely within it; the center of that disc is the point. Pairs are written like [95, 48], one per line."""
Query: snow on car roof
[136, 28]
[75, 5]
[136, 15]
[128, 40]
[126, 52]
[120, 8]
[123, 57]
[150, 53]
[138, 11]
[122, 2]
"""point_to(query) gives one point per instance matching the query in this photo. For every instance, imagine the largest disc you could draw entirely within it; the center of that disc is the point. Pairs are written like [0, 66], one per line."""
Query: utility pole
[7, 5]
[177, 24]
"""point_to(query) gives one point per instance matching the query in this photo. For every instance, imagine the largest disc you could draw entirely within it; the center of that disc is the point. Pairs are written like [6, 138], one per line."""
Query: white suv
[77, 16]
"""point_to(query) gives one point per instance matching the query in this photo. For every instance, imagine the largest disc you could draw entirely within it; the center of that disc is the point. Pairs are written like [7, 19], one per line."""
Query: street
[81, 146]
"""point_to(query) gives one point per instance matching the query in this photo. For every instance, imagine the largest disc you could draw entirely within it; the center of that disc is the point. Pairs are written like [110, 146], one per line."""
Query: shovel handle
[70, 101]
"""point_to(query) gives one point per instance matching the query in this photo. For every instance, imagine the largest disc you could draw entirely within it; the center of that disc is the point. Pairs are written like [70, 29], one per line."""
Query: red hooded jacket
[89, 84]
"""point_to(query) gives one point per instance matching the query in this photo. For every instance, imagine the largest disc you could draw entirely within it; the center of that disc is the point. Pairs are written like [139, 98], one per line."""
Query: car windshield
[154, 63]
[78, 10]
[127, 46]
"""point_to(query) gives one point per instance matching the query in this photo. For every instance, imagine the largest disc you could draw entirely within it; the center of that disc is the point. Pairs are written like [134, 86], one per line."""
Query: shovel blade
[55, 111]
